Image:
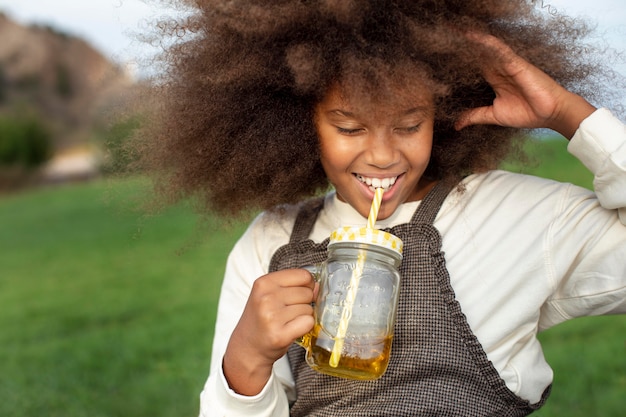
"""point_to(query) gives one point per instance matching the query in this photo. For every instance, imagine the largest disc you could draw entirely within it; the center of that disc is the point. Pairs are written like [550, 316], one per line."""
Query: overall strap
[431, 203]
[307, 216]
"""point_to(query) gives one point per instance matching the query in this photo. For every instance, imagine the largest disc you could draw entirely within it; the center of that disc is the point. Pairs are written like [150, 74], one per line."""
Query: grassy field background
[108, 312]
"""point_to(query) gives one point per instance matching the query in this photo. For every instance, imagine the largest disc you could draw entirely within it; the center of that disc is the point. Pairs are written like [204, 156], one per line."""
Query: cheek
[335, 153]
[332, 164]
[327, 159]
[425, 146]
[425, 153]
[420, 151]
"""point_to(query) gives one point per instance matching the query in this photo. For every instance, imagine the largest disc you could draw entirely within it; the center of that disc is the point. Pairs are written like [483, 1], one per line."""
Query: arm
[221, 396]
[586, 249]
[600, 144]
[277, 312]
[587, 246]
[526, 97]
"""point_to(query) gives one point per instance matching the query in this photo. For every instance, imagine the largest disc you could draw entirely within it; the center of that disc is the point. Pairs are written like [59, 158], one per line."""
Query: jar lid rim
[366, 235]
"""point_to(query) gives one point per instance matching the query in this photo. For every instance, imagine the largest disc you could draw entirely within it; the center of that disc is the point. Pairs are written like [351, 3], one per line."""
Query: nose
[381, 151]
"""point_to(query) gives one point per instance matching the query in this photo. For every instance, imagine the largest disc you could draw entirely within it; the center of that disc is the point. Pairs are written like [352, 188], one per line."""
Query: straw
[378, 197]
[357, 272]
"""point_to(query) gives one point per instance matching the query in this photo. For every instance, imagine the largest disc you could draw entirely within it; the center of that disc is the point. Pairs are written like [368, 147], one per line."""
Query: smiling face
[382, 143]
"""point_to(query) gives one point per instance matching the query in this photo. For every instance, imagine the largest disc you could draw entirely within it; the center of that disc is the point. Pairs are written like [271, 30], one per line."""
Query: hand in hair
[526, 97]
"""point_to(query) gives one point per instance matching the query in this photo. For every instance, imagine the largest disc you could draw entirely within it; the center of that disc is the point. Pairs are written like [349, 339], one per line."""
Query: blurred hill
[60, 81]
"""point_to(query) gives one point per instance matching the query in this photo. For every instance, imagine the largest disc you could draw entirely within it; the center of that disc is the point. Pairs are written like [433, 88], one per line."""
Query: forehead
[382, 102]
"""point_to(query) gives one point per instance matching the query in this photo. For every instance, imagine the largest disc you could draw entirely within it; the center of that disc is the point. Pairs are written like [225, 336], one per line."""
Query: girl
[269, 103]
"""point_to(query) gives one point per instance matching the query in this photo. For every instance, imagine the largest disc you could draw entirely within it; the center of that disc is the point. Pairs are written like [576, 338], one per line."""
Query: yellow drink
[362, 359]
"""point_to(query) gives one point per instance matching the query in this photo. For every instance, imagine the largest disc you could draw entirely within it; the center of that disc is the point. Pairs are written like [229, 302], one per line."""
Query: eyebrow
[419, 110]
[338, 112]
[424, 110]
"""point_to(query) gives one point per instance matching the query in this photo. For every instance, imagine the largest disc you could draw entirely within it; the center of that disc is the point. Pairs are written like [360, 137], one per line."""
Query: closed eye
[348, 132]
[410, 129]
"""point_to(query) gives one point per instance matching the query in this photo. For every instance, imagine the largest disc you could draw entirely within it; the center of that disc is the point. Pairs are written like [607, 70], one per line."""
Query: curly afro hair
[233, 125]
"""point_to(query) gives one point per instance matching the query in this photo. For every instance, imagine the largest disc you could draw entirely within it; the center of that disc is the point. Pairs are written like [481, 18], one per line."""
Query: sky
[109, 24]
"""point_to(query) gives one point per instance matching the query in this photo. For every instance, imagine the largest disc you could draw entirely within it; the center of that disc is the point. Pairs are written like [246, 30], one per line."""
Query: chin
[384, 214]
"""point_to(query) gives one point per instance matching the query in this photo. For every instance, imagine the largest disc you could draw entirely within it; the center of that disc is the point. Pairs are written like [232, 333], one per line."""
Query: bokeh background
[106, 310]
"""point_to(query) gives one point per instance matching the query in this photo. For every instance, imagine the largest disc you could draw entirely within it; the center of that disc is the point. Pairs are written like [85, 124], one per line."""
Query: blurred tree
[24, 142]
[115, 138]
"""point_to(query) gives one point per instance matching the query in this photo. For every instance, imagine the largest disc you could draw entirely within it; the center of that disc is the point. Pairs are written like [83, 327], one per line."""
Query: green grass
[549, 158]
[588, 356]
[106, 312]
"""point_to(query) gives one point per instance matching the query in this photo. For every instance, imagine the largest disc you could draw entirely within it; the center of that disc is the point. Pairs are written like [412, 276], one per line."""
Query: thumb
[477, 116]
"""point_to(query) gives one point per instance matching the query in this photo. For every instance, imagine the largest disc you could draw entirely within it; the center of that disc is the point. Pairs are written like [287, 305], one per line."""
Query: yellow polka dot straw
[378, 198]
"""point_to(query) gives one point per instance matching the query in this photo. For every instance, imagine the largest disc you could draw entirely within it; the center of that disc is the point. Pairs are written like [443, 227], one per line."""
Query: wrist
[574, 110]
[245, 373]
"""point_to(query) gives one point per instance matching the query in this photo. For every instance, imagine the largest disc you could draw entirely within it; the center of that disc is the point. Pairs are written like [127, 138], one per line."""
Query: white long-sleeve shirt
[523, 254]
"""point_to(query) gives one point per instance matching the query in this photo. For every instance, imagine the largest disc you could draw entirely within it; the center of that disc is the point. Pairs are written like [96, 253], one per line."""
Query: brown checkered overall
[437, 367]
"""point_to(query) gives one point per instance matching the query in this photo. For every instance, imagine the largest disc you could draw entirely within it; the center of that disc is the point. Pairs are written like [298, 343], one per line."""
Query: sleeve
[247, 261]
[587, 251]
[600, 144]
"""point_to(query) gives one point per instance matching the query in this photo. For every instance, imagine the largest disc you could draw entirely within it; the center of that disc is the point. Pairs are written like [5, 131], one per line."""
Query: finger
[293, 311]
[282, 317]
[492, 44]
[288, 278]
[294, 321]
[300, 325]
[297, 295]
[477, 116]
[296, 278]
[499, 59]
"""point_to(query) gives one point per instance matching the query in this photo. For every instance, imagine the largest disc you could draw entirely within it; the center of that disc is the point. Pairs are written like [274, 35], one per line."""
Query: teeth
[374, 183]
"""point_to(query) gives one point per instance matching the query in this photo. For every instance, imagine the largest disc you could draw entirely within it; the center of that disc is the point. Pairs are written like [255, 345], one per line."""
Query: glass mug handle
[315, 270]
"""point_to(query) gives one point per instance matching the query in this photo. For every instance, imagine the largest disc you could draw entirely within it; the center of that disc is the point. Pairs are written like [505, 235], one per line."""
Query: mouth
[374, 183]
